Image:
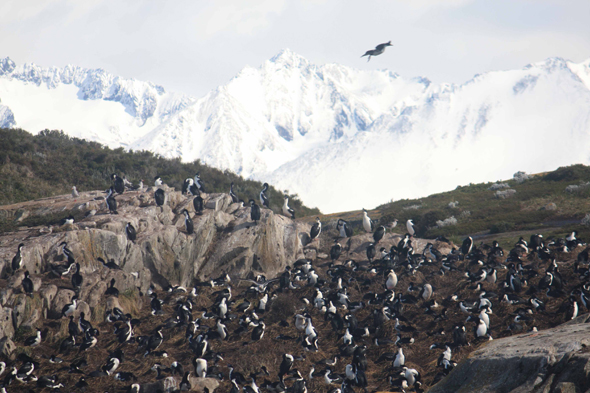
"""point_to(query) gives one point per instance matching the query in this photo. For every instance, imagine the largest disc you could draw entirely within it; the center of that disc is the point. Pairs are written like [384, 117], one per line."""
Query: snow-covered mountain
[90, 104]
[341, 138]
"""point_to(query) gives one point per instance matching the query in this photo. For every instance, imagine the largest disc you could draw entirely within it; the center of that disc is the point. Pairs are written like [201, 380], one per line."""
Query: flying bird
[377, 51]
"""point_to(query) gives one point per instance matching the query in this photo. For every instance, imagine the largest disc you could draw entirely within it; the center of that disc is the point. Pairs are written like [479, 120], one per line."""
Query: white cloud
[238, 16]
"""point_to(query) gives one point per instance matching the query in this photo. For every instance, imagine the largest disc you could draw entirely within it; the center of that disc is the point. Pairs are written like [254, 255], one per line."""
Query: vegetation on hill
[552, 203]
[50, 163]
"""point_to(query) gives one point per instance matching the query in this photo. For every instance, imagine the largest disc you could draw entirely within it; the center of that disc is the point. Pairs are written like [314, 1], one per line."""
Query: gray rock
[48, 293]
[566, 387]
[5, 296]
[199, 384]
[7, 348]
[6, 325]
[21, 215]
[225, 241]
[82, 307]
[31, 322]
[527, 362]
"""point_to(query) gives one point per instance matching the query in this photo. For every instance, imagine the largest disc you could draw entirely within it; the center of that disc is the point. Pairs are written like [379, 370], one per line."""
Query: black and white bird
[69, 308]
[198, 204]
[379, 233]
[467, 245]
[189, 187]
[200, 365]
[89, 341]
[287, 211]
[199, 182]
[368, 224]
[111, 290]
[286, 364]
[154, 341]
[111, 201]
[111, 365]
[17, 260]
[343, 228]
[258, 331]
[316, 229]
[379, 49]
[27, 284]
[188, 222]
[160, 197]
[232, 194]
[335, 251]
[400, 359]
[131, 233]
[139, 186]
[77, 279]
[263, 197]
[410, 227]
[391, 280]
[254, 211]
[69, 220]
[118, 183]
[33, 341]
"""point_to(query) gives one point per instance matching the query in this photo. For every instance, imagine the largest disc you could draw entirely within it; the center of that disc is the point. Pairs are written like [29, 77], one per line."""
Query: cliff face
[225, 240]
[553, 360]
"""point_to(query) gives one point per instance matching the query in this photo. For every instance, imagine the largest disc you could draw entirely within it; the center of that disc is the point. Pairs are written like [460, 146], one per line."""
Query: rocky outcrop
[225, 240]
[553, 360]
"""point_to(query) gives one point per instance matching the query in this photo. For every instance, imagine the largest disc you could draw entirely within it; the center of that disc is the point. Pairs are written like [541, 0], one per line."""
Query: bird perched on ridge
[263, 197]
[287, 210]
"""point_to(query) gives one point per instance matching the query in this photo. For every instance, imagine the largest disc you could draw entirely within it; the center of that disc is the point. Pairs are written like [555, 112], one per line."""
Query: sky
[195, 46]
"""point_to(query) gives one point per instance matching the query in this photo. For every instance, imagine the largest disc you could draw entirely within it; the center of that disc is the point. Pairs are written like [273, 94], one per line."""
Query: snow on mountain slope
[90, 104]
[341, 138]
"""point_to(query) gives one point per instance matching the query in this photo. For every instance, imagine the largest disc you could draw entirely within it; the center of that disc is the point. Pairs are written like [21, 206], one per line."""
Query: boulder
[225, 241]
[552, 360]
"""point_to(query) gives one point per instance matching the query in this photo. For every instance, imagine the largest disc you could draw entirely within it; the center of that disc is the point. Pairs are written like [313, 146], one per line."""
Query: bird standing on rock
[27, 284]
[118, 183]
[368, 224]
[188, 222]
[263, 197]
[160, 197]
[316, 229]
[17, 260]
[254, 211]
[131, 232]
[287, 211]
[410, 227]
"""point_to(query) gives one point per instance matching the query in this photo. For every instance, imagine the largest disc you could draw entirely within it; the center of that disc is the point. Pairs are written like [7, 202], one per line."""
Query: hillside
[51, 162]
[226, 241]
[553, 203]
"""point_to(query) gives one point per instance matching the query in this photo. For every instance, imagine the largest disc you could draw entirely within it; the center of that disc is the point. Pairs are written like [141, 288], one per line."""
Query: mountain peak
[6, 65]
[288, 57]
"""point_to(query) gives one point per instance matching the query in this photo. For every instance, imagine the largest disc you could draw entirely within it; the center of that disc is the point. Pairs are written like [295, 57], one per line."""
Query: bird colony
[374, 310]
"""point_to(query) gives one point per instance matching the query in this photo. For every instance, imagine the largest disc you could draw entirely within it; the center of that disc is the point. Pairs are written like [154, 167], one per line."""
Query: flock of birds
[361, 316]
